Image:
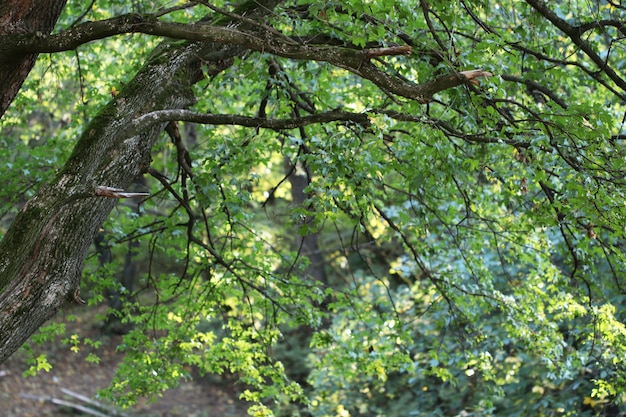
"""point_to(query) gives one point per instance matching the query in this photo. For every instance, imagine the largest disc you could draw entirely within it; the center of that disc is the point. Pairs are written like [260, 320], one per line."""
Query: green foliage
[38, 361]
[472, 247]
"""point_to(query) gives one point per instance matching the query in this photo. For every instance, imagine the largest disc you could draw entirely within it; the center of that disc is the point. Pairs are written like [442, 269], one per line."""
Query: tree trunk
[41, 256]
[306, 245]
[23, 16]
[44, 248]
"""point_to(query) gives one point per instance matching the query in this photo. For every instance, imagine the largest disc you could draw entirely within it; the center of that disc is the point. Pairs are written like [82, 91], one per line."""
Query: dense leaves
[460, 257]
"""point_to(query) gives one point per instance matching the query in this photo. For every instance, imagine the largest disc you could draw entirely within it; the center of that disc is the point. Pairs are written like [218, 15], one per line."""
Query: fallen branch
[57, 401]
[92, 402]
[97, 409]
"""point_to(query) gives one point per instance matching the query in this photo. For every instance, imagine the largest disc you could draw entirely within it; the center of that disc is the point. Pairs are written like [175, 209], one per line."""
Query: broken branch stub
[473, 75]
[104, 191]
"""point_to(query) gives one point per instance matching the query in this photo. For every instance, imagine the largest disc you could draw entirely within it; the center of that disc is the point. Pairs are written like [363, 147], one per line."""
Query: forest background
[378, 208]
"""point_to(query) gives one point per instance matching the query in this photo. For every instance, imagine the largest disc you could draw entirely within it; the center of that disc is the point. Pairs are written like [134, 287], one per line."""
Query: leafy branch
[574, 34]
[183, 115]
[353, 60]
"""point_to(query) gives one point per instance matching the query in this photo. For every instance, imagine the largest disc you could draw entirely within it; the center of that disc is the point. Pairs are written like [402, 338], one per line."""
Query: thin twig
[184, 6]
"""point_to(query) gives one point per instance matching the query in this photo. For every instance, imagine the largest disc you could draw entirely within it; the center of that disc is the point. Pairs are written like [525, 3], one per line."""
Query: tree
[477, 226]
[23, 17]
[75, 187]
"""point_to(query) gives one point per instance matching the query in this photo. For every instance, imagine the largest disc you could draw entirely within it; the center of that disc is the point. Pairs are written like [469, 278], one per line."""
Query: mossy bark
[42, 253]
[41, 256]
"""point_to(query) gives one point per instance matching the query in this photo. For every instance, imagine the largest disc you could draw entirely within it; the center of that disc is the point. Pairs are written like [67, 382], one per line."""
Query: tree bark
[41, 256]
[23, 16]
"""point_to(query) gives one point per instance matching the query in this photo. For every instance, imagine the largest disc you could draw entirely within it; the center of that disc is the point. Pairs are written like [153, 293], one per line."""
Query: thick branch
[355, 61]
[18, 17]
[161, 116]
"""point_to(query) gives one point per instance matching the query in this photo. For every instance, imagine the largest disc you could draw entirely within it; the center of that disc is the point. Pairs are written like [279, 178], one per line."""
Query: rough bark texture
[23, 16]
[43, 251]
[41, 256]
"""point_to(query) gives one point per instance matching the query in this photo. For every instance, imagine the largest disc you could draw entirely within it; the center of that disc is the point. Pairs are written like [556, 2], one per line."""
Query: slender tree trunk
[23, 16]
[115, 296]
[307, 245]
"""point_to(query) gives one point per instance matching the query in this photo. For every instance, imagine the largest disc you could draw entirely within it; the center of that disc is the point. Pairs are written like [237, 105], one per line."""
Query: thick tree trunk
[42, 253]
[41, 256]
[23, 16]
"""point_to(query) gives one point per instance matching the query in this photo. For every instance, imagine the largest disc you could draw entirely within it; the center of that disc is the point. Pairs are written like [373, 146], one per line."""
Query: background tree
[460, 245]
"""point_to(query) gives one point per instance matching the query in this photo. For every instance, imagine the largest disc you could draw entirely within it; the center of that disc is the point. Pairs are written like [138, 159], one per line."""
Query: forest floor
[30, 396]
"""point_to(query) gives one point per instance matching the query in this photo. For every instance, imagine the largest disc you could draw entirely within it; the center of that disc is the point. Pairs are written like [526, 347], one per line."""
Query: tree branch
[591, 72]
[355, 61]
[617, 24]
[532, 85]
[161, 116]
[574, 34]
